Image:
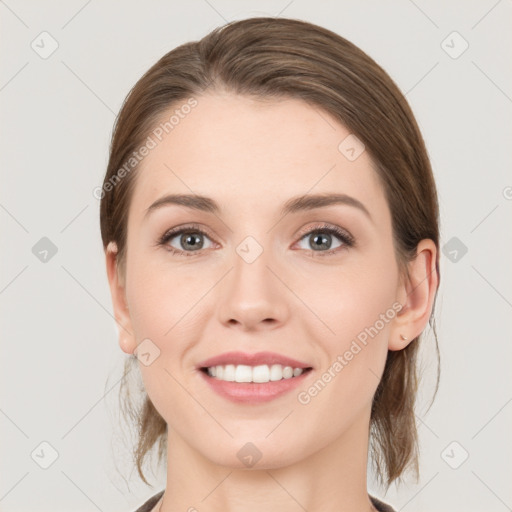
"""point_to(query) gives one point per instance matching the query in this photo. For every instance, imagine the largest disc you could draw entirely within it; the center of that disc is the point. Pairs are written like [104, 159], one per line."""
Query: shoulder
[149, 504]
[380, 505]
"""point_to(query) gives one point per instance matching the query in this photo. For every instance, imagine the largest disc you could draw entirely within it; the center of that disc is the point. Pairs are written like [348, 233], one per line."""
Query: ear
[416, 294]
[127, 340]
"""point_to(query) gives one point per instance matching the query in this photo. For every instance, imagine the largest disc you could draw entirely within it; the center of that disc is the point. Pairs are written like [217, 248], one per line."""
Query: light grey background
[60, 362]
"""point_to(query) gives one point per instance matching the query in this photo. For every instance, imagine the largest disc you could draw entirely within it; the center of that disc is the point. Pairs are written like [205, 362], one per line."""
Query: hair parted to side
[277, 58]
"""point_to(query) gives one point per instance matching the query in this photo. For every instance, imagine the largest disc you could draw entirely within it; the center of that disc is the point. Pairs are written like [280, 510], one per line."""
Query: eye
[320, 237]
[190, 238]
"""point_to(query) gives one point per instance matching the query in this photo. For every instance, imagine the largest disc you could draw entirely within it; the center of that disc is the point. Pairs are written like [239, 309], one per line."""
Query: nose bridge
[253, 252]
[251, 277]
[252, 292]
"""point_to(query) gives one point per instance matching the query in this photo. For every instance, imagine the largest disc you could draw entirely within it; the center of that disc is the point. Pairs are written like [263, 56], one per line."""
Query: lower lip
[253, 392]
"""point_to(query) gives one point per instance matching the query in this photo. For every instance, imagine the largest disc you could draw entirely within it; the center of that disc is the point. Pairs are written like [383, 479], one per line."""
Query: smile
[249, 391]
[256, 374]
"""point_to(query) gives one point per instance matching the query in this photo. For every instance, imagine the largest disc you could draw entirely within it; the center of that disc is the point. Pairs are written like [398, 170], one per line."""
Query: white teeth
[228, 373]
[297, 372]
[244, 373]
[276, 372]
[261, 373]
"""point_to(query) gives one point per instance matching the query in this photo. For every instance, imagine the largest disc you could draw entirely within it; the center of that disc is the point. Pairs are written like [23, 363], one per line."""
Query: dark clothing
[150, 503]
[379, 505]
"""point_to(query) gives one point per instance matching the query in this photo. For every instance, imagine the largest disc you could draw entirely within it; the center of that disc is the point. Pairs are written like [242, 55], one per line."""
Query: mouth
[253, 378]
[260, 374]
[244, 384]
[259, 367]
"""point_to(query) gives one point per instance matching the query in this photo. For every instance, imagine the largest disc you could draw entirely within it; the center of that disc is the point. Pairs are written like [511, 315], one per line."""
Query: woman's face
[260, 280]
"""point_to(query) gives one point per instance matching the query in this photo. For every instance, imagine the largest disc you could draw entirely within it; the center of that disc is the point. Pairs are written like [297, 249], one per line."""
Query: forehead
[247, 152]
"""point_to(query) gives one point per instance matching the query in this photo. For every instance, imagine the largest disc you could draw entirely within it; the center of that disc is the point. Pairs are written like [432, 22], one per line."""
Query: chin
[258, 454]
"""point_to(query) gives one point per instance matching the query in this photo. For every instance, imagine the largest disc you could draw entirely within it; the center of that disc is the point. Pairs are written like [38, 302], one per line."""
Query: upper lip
[258, 358]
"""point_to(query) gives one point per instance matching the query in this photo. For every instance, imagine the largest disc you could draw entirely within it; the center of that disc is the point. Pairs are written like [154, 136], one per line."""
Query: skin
[251, 156]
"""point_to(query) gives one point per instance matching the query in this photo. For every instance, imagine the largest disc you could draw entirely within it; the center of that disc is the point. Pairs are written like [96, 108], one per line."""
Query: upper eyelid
[321, 226]
[191, 227]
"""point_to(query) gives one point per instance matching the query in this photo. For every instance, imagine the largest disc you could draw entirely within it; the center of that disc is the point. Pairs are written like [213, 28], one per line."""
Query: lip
[252, 392]
[258, 358]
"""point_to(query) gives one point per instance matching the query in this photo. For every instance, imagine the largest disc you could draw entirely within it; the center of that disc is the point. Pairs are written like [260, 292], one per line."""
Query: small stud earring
[403, 337]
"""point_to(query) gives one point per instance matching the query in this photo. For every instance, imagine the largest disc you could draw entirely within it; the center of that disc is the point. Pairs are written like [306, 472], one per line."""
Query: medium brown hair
[286, 58]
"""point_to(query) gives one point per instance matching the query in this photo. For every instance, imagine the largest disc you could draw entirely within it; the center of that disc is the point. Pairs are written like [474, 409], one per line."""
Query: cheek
[161, 296]
[355, 305]
[164, 308]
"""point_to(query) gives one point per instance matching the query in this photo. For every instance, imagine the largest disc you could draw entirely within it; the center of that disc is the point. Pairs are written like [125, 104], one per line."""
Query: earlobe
[118, 293]
[417, 293]
[125, 342]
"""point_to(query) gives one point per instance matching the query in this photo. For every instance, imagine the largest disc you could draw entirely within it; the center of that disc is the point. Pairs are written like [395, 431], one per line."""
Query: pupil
[324, 240]
[186, 240]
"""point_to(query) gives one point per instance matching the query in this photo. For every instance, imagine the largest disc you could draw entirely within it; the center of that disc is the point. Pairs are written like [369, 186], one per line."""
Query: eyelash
[346, 238]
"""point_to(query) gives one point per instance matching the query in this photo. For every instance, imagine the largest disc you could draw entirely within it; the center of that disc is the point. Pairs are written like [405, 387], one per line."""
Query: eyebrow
[293, 205]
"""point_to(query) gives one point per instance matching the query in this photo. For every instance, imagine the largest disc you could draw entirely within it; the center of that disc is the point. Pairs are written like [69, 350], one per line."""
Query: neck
[332, 479]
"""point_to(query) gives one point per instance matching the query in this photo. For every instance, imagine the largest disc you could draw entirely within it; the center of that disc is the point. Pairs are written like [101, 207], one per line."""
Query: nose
[252, 296]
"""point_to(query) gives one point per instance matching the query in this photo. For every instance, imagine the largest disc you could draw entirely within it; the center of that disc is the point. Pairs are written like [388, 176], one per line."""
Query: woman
[271, 231]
